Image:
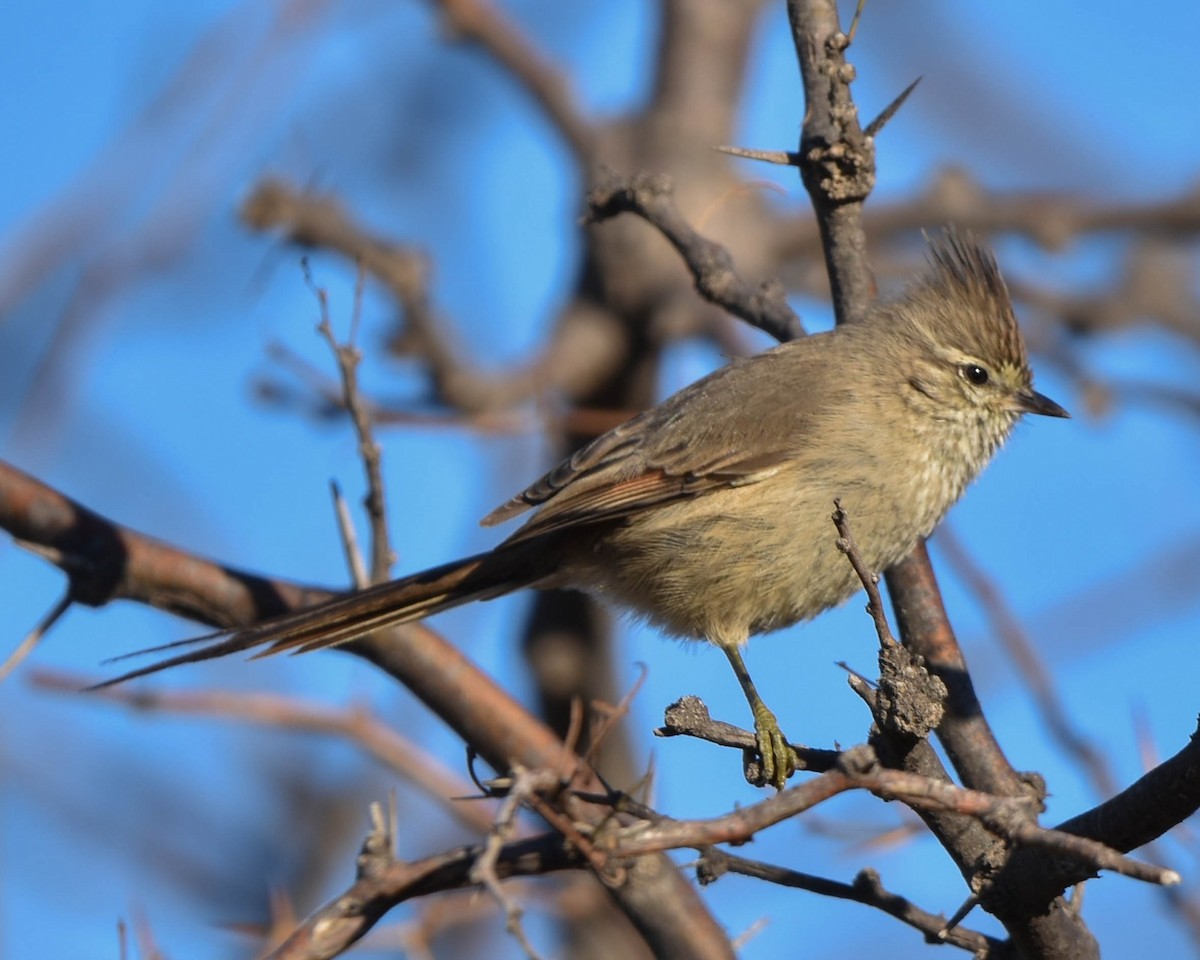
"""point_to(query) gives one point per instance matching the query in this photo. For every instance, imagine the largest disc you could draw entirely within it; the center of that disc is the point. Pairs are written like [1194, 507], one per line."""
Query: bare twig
[323, 400]
[345, 919]
[354, 560]
[689, 717]
[867, 889]
[909, 700]
[357, 725]
[857, 769]
[613, 716]
[348, 358]
[526, 785]
[711, 265]
[869, 578]
[579, 357]
[480, 22]
[1148, 808]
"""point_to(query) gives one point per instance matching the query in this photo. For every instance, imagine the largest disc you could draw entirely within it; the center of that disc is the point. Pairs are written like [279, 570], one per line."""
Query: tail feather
[341, 620]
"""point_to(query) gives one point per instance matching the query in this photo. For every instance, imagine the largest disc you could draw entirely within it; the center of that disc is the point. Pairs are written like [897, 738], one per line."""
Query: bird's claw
[777, 757]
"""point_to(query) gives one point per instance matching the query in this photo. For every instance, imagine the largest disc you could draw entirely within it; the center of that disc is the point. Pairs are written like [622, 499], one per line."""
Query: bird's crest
[966, 300]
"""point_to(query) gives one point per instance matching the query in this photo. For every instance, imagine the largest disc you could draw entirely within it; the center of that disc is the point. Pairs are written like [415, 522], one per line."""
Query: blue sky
[116, 150]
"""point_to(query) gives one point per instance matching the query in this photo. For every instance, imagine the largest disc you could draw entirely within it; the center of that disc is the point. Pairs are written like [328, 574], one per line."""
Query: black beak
[1030, 401]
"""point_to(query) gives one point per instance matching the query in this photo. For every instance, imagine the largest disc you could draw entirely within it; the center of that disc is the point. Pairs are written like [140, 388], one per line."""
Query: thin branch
[322, 399]
[525, 786]
[480, 22]
[581, 355]
[612, 717]
[348, 358]
[341, 922]
[1007, 817]
[866, 889]
[711, 265]
[689, 717]
[869, 578]
[926, 630]
[839, 172]
[357, 725]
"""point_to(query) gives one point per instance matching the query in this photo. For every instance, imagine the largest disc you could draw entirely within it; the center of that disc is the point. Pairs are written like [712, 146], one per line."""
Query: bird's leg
[778, 759]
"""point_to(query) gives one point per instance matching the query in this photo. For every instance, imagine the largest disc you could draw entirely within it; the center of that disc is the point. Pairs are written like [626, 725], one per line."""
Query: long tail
[342, 619]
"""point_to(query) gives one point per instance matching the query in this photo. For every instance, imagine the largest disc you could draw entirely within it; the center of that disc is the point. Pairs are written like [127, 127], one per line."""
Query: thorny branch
[858, 769]
[838, 171]
[384, 881]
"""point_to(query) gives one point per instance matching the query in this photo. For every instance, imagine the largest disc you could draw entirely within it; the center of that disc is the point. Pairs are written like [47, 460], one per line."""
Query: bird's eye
[974, 373]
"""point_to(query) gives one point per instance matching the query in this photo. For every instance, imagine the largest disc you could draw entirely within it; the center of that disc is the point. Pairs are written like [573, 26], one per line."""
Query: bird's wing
[735, 427]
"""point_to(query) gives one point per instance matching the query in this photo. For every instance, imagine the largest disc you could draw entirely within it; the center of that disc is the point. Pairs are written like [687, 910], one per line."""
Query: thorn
[959, 916]
[855, 21]
[890, 110]
[783, 158]
[34, 637]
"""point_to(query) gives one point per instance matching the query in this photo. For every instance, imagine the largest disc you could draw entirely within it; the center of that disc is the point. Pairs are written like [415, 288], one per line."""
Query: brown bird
[709, 514]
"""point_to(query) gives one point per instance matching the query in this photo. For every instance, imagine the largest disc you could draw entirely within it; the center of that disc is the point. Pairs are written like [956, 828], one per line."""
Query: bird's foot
[779, 760]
